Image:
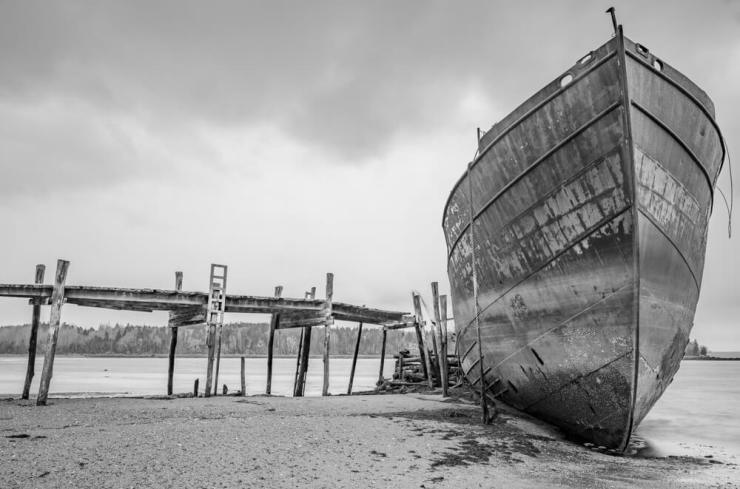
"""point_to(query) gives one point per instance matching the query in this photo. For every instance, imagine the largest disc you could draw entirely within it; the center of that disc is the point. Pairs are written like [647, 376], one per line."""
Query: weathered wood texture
[184, 303]
[274, 321]
[328, 323]
[33, 338]
[214, 319]
[173, 340]
[423, 351]
[445, 356]
[382, 356]
[305, 349]
[57, 299]
[243, 372]
[354, 358]
[442, 357]
[592, 199]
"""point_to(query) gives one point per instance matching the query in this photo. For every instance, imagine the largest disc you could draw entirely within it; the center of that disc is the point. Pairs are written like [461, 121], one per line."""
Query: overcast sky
[288, 139]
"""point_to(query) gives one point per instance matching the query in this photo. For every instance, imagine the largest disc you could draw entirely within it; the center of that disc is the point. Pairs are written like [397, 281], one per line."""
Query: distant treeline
[237, 338]
[694, 349]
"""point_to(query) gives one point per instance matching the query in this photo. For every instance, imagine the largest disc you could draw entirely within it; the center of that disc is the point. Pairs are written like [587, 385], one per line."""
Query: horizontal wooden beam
[173, 300]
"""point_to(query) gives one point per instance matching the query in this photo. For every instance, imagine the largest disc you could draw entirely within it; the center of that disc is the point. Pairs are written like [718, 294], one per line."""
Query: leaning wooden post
[443, 324]
[300, 385]
[328, 322]
[244, 377]
[57, 299]
[420, 338]
[214, 320]
[354, 359]
[173, 339]
[270, 342]
[382, 356]
[35, 317]
[298, 360]
[442, 357]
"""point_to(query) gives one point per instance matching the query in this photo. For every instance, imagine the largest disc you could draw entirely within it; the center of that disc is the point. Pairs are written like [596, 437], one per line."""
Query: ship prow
[576, 242]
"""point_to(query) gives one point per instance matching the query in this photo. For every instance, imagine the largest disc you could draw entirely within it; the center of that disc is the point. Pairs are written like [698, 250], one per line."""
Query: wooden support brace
[35, 319]
[354, 358]
[300, 384]
[243, 377]
[420, 338]
[382, 357]
[173, 339]
[274, 322]
[442, 353]
[329, 321]
[443, 346]
[57, 299]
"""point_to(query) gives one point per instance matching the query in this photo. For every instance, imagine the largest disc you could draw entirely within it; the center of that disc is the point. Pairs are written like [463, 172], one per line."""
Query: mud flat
[412, 440]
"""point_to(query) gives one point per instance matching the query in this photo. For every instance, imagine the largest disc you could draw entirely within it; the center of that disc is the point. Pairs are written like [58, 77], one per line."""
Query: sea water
[699, 414]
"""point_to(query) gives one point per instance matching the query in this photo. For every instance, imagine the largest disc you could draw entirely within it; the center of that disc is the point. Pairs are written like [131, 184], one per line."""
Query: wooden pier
[188, 308]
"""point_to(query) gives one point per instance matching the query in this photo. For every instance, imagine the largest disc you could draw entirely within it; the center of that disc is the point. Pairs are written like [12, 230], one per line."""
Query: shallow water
[81, 376]
[698, 414]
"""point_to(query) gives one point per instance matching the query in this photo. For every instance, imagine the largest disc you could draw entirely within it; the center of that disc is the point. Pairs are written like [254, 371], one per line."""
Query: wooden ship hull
[576, 242]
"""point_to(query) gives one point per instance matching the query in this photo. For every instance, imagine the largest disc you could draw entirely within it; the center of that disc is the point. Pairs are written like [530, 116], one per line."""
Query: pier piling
[35, 319]
[443, 325]
[274, 323]
[173, 338]
[354, 358]
[57, 299]
[423, 353]
[243, 376]
[328, 322]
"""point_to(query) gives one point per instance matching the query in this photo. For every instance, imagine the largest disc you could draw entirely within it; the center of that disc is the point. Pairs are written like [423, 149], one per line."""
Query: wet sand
[405, 441]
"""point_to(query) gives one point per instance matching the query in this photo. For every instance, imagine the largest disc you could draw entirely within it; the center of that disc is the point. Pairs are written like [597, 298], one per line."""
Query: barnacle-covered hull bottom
[576, 242]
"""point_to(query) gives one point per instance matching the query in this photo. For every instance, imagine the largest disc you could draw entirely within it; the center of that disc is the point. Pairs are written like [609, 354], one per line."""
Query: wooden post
[35, 317]
[195, 387]
[443, 324]
[305, 351]
[244, 377]
[382, 356]
[298, 360]
[173, 339]
[270, 342]
[420, 338]
[57, 299]
[354, 359]
[442, 357]
[400, 367]
[300, 387]
[219, 329]
[328, 322]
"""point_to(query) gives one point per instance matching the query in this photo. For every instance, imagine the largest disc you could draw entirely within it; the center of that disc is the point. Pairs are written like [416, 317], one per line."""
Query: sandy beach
[412, 440]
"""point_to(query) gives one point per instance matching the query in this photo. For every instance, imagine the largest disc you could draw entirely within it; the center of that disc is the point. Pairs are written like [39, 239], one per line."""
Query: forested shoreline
[237, 339]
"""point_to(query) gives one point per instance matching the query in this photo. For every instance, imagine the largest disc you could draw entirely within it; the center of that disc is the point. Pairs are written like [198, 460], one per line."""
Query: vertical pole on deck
[35, 319]
[173, 339]
[354, 359]
[274, 321]
[382, 356]
[328, 322]
[443, 324]
[420, 338]
[442, 357]
[57, 299]
[244, 377]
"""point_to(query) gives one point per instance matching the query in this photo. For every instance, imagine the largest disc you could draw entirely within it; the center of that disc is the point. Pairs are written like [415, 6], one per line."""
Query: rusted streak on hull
[692, 97]
[590, 231]
[664, 126]
[564, 323]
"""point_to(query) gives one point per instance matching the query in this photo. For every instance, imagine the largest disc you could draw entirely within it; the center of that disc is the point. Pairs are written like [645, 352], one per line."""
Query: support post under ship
[576, 242]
